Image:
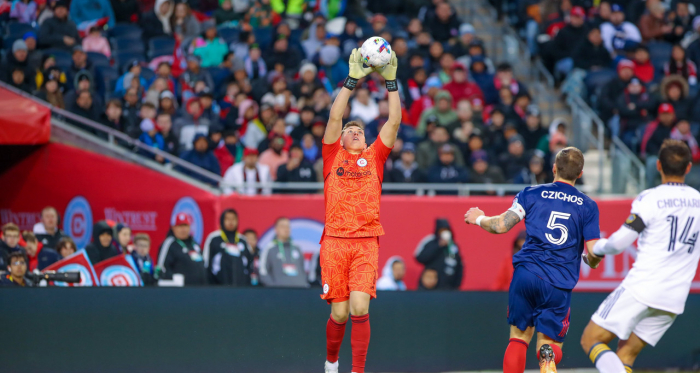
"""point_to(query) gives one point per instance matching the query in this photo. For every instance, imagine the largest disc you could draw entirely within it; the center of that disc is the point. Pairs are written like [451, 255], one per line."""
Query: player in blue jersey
[559, 219]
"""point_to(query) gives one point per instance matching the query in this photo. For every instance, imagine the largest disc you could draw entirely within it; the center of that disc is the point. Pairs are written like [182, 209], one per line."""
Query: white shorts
[621, 314]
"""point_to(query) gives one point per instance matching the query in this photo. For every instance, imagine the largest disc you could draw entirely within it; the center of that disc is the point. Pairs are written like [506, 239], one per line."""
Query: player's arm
[391, 127]
[492, 224]
[335, 120]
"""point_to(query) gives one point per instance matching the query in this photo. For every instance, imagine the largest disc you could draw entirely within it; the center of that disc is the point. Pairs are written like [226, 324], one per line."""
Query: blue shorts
[535, 302]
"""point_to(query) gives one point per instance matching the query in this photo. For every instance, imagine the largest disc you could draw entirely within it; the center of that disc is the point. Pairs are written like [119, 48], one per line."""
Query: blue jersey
[559, 219]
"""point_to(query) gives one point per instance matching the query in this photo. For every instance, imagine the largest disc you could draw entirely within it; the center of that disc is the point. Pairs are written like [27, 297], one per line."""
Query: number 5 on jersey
[552, 224]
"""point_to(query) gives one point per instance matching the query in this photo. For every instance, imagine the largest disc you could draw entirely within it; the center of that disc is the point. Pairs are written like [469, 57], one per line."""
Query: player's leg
[594, 342]
[362, 284]
[649, 330]
[552, 320]
[520, 317]
[549, 353]
[628, 350]
[334, 276]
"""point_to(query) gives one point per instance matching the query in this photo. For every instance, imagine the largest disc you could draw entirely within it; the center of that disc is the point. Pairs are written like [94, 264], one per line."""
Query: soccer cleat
[331, 367]
[547, 364]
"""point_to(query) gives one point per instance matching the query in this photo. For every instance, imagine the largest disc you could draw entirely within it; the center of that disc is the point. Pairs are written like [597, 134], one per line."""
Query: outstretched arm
[492, 224]
[391, 127]
[335, 121]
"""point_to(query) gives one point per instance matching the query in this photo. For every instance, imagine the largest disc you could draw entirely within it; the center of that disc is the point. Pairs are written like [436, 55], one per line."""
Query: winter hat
[329, 55]
[208, 24]
[666, 108]
[466, 28]
[408, 147]
[308, 67]
[29, 34]
[625, 64]
[479, 155]
[18, 45]
[147, 125]
[167, 94]
[433, 82]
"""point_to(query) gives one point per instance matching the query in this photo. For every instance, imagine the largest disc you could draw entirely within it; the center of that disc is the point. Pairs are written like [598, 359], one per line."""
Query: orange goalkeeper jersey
[352, 189]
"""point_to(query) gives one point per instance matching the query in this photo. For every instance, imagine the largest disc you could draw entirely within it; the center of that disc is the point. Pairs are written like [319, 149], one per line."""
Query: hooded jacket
[154, 23]
[95, 251]
[125, 10]
[282, 265]
[90, 10]
[44, 257]
[387, 281]
[51, 240]
[445, 118]
[446, 260]
[227, 256]
[53, 30]
[463, 91]
[183, 257]
[206, 160]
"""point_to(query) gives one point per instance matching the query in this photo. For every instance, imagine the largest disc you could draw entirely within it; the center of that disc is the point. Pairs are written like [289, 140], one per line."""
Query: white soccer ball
[376, 52]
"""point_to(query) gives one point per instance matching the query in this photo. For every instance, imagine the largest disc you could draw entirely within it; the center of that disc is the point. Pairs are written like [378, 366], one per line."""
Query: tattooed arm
[492, 224]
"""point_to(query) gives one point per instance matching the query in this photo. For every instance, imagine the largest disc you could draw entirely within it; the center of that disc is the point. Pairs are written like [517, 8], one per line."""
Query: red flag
[78, 262]
[85, 26]
[118, 271]
[179, 59]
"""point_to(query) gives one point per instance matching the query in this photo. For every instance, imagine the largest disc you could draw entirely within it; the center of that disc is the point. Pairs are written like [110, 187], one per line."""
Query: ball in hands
[376, 52]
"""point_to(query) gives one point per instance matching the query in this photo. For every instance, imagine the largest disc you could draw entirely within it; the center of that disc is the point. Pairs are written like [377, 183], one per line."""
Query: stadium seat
[98, 59]
[8, 40]
[125, 29]
[147, 74]
[218, 74]
[127, 44]
[229, 34]
[123, 58]
[63, 57]
[107, 78]
[263, 36]
[659, 53]
[18, 29]
[160, 46]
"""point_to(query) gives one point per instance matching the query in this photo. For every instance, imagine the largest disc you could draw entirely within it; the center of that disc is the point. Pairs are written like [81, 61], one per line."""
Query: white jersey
[667, 257]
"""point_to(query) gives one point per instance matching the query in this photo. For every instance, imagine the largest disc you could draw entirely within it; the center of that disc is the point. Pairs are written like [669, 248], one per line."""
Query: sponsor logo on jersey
[340, 171]
[189, 205]
[562, 196]
[77, 221]
[362, 162]
[325, 288]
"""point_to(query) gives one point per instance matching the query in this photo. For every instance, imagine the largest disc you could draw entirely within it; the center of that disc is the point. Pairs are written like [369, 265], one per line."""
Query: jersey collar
[676, 184]
[563, 182]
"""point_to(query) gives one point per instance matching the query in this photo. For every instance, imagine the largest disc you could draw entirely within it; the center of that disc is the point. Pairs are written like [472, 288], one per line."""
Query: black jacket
[227, 257]
[183, 257]
[151, 25]
[125, 10]
[446, 260]
[53, 30]
[46, 257]
[609, 94]
[4, 252]
[567, 41]
[305, 173]
[400, 174]
[94, 250]
[51, 240]
[588, 55]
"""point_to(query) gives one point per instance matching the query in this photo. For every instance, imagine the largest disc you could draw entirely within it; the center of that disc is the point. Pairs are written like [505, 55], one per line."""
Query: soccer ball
[376, 52]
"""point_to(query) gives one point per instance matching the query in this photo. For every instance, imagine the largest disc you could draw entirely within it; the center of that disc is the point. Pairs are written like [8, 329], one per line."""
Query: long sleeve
[266, 271]
[428, 252]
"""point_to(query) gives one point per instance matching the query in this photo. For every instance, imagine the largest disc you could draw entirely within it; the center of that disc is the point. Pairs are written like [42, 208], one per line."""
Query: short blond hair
[353, 123]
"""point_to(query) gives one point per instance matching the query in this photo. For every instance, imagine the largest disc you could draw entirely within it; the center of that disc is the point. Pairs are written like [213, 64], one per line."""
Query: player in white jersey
[666, 219]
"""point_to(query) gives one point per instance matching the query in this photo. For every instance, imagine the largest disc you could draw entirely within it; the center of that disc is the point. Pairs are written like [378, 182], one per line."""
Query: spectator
[674, 90]
[426, 101]
[442, 255]
[252, 130]
[130, 111]
[164, 125]
[225, 13]
[112, 117]
[210, 47]
[183, 23]
[274, 156]
[504, 78]
[515, 159]
[643, 69]
[34, 56]
[122, 242]
[692, 42]
[482, 172]
[332, 65]
[363, 106]
[66, 247]
[591, 55]
[101, 246]
[428, 279]
[505, 273]
[39, 256]
[59, 31]
[151, 138]
[44, 12]
[167, 103]
[18, 80]
[201, 156]
[446, 116]
[533, 132]
[85, 106]
[406, 170]
[17, 268]
[252, 237]
[461, 47]
[654, 25]
[180, 254]
[446, 170]
[310, 146]
[142, 258]
[427, 153]
[614, 88]
[210, 110]
[682, 22]
[444, 26]
[241, 175]
[534, 174]
[24, 11]
[133, 71]
[680, 65]
[682, 132]
[392, 275]
[229, 150]
[495, 134]
[316, 39]
[254, 65]
[190, 124]
[51, 233]
[618, 34]
[297, 170]
[95, 42]
[157, 21]
[227, 256]
[282, 261]
[558, 55]
[9, 243]
[654, 135]
[633, 107]
[282, 54]
[18, 60]
[125, 11]
[91, 10]
[462, 89]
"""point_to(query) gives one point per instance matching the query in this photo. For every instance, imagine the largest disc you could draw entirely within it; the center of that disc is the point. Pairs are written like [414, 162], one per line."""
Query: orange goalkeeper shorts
[348, 264]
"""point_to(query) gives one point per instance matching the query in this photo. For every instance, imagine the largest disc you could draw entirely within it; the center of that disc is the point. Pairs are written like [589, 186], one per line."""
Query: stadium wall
[100, 187]
[166, 330]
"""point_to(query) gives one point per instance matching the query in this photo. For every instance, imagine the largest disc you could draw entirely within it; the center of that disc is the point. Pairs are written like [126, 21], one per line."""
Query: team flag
[118, 271]
[78, 262]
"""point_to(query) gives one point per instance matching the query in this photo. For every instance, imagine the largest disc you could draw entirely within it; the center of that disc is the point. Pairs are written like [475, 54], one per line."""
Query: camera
[36, 277]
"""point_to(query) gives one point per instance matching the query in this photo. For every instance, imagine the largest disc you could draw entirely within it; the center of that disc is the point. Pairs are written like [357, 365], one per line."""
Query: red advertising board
[100, 187]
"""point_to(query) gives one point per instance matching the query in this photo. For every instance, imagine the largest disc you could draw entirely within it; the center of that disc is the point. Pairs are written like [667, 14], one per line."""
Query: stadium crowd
[228, 256]
[242, 88]
[635, 62]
